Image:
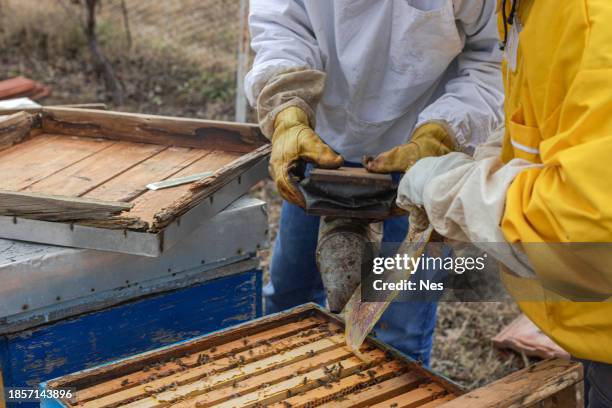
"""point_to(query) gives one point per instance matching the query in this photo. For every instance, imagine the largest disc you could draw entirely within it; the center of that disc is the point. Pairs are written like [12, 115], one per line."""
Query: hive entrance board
[77, 177]
[294, 359]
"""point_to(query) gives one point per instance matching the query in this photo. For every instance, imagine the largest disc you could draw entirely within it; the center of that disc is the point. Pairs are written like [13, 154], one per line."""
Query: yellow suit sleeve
[569, 198]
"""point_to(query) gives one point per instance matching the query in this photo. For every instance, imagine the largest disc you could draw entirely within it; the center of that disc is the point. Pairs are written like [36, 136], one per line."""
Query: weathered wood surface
[57, 208]
[15, 128]
[169, 131]
[201, 190]
[42, 157]
[437, 402]
[351, 175]
[566, 398]
[130, 184]
[296, 359]
[85, 175]
[112, 156]
[415, 398]
[524, 388]
[151, 203]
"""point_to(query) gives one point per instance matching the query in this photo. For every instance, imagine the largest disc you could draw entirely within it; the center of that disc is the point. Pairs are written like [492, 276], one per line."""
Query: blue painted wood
[72, 345]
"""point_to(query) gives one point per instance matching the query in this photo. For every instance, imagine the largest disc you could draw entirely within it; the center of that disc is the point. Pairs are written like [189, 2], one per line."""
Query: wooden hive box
[299, 359]
[293, 359]
[77, 177]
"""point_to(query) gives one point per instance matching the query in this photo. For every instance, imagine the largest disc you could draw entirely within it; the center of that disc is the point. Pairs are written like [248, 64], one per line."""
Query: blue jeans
[294, 280]
[597, 384]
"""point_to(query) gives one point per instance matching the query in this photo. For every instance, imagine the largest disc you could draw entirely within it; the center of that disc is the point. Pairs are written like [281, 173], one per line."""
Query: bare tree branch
[101, 62]
[126, 23]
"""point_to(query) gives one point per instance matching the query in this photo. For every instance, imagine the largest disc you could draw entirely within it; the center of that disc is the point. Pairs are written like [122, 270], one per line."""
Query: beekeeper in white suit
[392, 80]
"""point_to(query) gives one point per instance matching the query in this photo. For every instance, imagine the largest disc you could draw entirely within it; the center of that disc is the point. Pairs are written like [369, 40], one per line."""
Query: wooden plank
[168, 131]
[377, 393]
[56, 208]
[567, 398]
[301, 383]
[415, 398]
[351, 175]
[42, 156]
[87, 174]
[148, 204]
[132, 183]
[335, 390]
[245, 351]
[272, 377]
[439, 401]
[15, 128]
[525, 387]
[196, 381]
[201, 190]
[22, 148]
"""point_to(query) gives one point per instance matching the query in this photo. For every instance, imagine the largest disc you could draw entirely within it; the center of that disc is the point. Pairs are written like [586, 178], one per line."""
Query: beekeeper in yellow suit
[544, 185]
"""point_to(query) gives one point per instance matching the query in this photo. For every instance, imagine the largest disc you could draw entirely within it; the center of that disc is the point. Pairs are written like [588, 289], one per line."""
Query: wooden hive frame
[292, 359]
[298, 359]
[88, 169]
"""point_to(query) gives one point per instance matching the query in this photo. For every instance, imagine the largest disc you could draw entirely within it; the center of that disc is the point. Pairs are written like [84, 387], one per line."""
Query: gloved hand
[293, 139]
[465, 199]
[430, 139]
[411, 190]
[412, 187]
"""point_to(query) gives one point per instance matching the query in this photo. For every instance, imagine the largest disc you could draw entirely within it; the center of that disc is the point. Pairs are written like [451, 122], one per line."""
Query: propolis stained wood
[293, 359]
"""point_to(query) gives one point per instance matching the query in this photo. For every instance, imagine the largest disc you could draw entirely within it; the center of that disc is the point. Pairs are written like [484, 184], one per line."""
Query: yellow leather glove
[293, 139]
[430, 139]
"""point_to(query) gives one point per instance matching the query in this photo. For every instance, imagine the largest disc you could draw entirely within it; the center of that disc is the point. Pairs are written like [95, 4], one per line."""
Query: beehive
[295, 359]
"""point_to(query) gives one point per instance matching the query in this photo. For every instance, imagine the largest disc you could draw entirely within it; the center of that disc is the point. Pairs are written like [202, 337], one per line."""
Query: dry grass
[206, 30]
[41, 40]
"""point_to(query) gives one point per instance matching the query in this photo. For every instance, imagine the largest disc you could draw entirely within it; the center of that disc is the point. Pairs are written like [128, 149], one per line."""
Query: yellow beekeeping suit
[558, 83]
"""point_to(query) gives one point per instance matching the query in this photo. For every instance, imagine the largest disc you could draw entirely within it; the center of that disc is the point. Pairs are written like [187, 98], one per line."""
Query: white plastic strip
[525, 148]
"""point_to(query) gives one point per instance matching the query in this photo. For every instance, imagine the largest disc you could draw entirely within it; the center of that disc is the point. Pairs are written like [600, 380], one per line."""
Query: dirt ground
[164, 81]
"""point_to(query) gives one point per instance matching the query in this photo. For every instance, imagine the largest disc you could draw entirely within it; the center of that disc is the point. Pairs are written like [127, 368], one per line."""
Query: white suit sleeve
[472, 102]
[465, 198]
[283, 39]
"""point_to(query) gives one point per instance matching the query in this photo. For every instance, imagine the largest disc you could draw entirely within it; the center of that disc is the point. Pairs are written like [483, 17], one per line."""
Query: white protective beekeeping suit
[389, 66]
